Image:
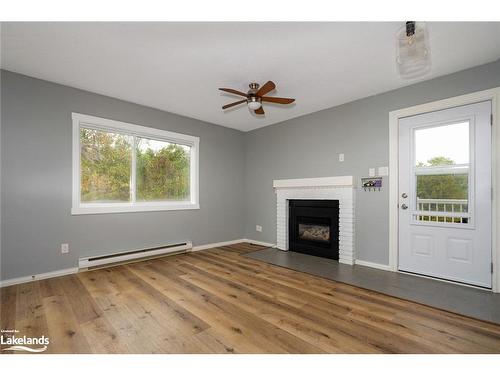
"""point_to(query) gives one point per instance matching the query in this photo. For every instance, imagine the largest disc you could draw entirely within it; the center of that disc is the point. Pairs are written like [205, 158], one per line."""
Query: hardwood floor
[217, 301]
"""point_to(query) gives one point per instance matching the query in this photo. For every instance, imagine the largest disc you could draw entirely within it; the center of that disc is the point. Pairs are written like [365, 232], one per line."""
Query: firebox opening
[314, 227]
[313, 232]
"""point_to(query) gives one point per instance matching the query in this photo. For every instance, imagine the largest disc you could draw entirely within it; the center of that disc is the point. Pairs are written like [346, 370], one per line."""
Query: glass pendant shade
[413, 58]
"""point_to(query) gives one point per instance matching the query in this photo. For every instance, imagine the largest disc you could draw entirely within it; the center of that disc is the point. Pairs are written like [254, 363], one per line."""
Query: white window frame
[86, 121]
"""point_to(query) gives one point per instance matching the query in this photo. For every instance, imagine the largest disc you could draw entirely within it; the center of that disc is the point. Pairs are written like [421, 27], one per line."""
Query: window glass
[163, 170]
[105, 160]
[442, 173]
[442, 145]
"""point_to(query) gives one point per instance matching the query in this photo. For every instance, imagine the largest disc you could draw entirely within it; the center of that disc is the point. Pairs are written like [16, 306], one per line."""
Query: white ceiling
[177, 67]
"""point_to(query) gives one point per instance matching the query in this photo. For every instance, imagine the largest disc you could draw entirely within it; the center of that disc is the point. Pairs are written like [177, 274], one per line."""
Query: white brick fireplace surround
[339, 188]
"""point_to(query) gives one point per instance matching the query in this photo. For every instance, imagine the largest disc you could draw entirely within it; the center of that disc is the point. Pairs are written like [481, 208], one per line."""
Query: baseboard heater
[133, 255]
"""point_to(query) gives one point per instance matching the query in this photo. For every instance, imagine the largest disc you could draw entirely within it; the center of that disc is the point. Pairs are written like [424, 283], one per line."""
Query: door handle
[404, 206]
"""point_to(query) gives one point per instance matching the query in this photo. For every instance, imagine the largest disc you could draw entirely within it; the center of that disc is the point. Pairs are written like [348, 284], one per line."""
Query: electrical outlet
[64, 248]
[341, 157]
[258, 228]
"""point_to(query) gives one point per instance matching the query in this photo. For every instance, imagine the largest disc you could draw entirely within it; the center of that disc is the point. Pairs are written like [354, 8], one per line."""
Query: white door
[445, 194]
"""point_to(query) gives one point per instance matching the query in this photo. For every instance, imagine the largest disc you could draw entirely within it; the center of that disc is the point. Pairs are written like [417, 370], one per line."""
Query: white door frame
[394, 116]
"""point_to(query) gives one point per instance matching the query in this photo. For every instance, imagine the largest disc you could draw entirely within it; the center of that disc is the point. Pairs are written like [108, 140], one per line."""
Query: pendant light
[413, 57]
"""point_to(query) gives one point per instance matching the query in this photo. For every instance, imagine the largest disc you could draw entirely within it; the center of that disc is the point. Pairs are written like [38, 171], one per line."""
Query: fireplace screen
[314, 232]
[313, 227]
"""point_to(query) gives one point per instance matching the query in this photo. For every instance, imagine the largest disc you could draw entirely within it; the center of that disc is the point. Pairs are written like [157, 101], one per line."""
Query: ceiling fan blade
[259, 111]
[233, 104]
[271, 99]
[235, 92]
[268, 87]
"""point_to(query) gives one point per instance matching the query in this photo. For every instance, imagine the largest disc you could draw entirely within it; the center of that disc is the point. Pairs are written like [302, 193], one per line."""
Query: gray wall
[308, 147]
[235, 186]
[36, 181]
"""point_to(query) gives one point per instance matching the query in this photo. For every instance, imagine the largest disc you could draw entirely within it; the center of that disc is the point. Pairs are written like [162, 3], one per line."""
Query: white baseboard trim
[227, 243]
[216, 244]
[254, 242]
[379, 266]
[69, 271]
[40, 276]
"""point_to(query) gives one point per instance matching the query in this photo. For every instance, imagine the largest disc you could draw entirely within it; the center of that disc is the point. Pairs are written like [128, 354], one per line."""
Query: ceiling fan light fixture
[254, 103]
[255, 96]
[413, 58]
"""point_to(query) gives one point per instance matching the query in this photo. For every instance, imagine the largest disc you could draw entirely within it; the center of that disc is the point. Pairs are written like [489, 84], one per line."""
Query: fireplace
[336, 188]
[314, 227]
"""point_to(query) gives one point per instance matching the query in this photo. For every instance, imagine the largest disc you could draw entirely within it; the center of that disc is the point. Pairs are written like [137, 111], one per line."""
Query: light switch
[341, 157]
[383, 171]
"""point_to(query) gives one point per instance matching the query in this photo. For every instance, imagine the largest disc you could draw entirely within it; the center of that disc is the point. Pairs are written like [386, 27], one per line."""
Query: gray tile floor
[476, 303]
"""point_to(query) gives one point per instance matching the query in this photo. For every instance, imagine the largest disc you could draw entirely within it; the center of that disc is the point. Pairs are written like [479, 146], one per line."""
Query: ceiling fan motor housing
[254, 86]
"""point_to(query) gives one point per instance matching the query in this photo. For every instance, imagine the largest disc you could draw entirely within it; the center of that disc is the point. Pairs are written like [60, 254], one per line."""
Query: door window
[442, 174]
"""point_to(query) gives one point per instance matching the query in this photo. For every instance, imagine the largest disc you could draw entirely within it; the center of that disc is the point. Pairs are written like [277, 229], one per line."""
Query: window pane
[105, 166]
[443, 193]
[162, 170]
[442, 145]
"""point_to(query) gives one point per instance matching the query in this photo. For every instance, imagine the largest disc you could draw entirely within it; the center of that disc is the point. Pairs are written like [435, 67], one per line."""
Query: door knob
[404, 195]
[404, 206]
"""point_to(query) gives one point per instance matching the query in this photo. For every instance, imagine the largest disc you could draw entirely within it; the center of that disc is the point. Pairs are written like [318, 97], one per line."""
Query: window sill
[102, 209]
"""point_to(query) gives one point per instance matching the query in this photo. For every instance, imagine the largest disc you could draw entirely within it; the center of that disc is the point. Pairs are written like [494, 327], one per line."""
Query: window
[120, 167]
[442, 173]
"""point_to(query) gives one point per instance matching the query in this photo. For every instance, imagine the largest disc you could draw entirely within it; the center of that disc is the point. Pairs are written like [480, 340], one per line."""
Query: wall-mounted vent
[133, 255]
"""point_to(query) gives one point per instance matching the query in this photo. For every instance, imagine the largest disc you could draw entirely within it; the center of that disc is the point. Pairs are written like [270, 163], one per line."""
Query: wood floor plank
[218, 301]
[8, 297]
[130, 328]
[375, 304]
[31, 314]
[250, 332]
[318, 286]
[81, 302]
[370, 336]
[291, 320]
[63, 326]
[148, 323]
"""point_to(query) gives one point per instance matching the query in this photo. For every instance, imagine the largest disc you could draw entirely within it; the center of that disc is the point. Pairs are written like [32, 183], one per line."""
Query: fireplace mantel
[339, 188]
[336, 181]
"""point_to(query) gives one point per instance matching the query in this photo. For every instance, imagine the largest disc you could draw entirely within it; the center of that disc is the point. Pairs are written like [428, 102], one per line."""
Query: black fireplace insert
[313, 227]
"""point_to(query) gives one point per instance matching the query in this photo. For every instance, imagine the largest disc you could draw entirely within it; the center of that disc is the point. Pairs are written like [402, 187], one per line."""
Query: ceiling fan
[255, 96]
